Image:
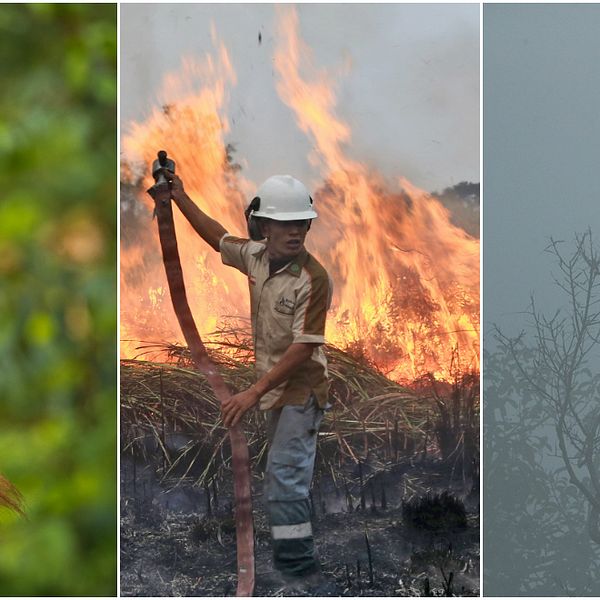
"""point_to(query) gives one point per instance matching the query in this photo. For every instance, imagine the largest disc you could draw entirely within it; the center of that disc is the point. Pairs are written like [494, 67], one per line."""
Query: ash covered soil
[173, 544]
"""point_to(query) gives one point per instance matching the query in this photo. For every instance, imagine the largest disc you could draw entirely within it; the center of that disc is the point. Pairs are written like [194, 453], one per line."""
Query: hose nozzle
[160, 167]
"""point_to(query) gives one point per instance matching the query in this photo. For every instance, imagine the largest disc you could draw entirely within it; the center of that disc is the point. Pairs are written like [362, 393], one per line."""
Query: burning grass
[169, 410]
[379, 453]
[406, 279]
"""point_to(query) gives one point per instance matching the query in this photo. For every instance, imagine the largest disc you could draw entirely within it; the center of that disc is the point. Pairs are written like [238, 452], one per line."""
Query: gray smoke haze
[540, 397]
[541, 148]
[411, 95]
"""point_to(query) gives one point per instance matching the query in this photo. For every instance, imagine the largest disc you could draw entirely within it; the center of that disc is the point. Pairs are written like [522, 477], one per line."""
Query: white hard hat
[283, 198]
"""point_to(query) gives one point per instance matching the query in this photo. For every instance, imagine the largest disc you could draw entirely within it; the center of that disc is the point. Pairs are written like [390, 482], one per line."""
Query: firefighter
[290, 293]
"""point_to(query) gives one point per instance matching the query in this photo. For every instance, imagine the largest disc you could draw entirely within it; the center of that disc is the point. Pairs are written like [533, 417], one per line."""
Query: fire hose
[161, 193]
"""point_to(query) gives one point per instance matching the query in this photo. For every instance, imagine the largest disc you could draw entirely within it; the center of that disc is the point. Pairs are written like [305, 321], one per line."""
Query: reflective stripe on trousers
[292, 433]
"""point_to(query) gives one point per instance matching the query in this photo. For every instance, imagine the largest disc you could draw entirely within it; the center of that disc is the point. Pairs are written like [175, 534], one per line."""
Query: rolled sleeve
[311, 312]
[234, 252]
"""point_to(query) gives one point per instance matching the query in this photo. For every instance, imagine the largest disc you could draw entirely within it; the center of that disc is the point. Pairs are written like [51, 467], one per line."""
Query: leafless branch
[558, 375]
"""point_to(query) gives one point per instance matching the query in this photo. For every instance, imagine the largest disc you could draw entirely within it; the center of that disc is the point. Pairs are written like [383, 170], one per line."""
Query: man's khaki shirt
[287, 307]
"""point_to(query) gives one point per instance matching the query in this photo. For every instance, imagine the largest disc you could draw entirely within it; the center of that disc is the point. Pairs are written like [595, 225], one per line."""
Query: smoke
[408, 82]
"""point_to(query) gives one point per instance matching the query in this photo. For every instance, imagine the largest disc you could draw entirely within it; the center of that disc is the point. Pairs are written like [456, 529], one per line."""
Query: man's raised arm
[208, 229]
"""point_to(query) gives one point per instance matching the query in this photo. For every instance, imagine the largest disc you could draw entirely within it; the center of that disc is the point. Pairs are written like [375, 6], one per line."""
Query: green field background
[58, 297]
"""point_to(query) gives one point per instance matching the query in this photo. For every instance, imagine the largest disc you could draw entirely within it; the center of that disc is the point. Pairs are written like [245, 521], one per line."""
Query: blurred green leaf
[58, 297]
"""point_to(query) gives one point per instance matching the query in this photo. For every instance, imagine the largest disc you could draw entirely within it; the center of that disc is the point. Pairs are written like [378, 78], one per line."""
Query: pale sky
[541, 149]
[411, 96]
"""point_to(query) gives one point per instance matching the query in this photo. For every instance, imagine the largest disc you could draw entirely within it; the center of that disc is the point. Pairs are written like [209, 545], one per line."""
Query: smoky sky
[541, 145]
[541, 87]
[410, 96]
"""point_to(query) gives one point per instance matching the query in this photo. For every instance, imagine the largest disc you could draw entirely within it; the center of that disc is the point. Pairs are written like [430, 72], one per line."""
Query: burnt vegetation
[382, 447]
[435, 512]
[396, 479]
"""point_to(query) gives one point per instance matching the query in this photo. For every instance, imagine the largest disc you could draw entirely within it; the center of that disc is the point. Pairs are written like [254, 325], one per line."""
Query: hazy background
[541, 87]
[411, 95]
[541, 147]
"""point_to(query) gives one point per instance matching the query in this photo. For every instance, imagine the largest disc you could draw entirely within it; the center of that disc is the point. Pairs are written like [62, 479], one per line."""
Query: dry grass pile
[169, 409]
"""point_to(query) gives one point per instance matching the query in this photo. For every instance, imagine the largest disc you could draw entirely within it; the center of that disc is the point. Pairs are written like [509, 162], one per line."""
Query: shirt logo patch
[285, 306]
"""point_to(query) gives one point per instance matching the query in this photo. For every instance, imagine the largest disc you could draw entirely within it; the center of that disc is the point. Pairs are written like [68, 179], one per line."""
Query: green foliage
[58, 297]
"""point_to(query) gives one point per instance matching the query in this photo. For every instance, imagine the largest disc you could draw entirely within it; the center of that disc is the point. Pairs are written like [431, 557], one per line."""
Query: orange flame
[406, 280]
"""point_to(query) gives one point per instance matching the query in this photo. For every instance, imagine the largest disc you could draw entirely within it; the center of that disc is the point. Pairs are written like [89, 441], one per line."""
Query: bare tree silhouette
[559, 376]
[542, 439]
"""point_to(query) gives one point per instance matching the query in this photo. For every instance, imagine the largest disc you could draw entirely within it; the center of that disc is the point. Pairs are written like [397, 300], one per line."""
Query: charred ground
[395, 497]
